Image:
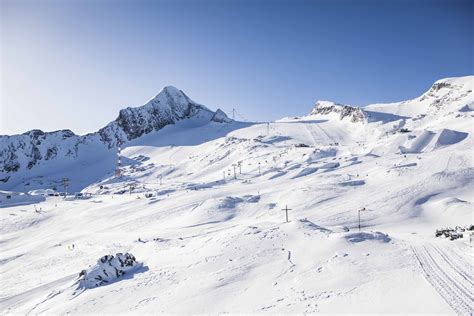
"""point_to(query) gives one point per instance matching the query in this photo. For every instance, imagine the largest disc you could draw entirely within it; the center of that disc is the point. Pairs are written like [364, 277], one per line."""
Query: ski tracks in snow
[449, 275]
[315, 135]
[311, 133]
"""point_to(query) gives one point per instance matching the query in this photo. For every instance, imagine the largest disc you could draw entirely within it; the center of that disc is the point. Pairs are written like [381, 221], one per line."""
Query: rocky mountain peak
[167, 107]
[355, 114]
[220, 117]
[448, 91]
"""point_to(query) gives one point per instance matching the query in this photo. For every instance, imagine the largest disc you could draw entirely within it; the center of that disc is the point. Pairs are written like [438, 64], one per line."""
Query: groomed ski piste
[200, 206]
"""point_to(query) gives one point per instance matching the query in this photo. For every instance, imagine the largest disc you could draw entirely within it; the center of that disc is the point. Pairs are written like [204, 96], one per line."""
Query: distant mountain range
[24, 151]
[34, 154]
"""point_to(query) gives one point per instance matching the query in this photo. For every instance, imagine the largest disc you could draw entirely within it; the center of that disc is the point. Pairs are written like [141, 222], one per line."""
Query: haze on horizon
[75, 64]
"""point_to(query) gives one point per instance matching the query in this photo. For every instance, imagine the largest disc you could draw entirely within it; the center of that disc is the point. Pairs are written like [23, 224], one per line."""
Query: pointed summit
[221, 117]
[171, 89]
[167, 107]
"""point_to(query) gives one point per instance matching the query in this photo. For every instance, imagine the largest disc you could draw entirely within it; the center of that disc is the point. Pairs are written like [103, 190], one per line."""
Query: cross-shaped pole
[286, 209]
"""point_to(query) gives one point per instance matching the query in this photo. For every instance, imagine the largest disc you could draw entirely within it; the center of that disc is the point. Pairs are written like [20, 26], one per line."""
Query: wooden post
[118, 166]
[65, 184]
[359, 220]
[363, 209]
[286, 209]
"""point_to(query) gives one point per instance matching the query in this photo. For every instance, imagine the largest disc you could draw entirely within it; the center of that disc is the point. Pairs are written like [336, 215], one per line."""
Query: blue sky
[74, 64]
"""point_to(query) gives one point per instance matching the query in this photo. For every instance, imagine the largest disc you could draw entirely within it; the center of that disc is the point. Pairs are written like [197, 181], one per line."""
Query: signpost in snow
[286, 209]
[118, 165]
[235, 175]
[361, 210]
[131, 187]
[65, 184]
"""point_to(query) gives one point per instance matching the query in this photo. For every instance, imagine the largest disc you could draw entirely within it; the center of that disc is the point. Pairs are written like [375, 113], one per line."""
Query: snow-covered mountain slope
[26, 159]
[168, 107]
[446, 96]
[200, 206]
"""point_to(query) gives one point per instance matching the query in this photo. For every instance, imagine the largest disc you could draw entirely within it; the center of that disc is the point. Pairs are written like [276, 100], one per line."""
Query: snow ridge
[355, 114]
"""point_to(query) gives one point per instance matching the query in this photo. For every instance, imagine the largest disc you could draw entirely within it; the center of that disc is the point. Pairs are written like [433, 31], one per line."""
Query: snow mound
[44, 192]
[450, 137]
[229, 202]
[108, 269]
[309, 225]
[467, 108]
[252, 198]
[352, 183]
[305, 172]
[359, 237]
[426, 142]
[277, 175]
[330, 165]
[419, 143]
[8, 199]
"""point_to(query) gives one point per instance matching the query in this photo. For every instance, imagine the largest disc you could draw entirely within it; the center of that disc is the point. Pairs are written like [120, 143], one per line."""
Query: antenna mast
[118, 166]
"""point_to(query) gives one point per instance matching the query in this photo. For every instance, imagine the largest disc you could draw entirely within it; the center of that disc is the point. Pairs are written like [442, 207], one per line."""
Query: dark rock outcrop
[355, 114]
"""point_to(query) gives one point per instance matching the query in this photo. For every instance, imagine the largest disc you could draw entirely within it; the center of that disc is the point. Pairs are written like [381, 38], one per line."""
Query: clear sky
[75, 63]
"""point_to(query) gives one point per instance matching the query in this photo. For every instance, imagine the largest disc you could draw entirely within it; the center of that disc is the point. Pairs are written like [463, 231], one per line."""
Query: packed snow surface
[202, 205]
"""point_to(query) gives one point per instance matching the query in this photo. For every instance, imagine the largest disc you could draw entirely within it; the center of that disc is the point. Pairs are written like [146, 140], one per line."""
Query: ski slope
[211, 237]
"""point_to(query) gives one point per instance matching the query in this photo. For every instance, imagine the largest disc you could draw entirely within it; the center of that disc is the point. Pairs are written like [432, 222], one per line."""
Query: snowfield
[200, 205]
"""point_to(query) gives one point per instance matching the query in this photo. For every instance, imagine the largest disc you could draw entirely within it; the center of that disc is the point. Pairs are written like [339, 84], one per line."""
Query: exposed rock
[168, 107]
[355, 114]
[445, 91]
[108, 269]
[220, 117]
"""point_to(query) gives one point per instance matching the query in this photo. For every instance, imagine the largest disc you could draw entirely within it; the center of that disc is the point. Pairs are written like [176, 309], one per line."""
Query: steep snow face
[24, 152]
[354, 114]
